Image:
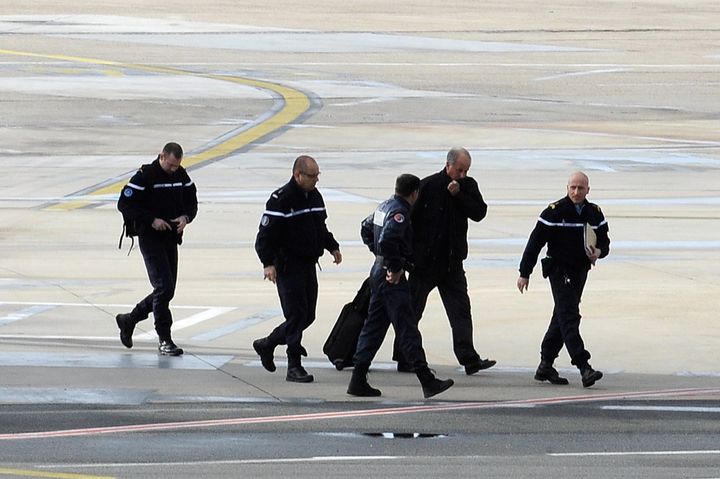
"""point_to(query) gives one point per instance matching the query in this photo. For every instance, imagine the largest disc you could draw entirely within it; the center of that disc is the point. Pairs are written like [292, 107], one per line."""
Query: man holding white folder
[576, 234]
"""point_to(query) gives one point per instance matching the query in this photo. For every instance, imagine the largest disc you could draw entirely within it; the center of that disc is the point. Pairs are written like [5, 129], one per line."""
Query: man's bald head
[578, 187]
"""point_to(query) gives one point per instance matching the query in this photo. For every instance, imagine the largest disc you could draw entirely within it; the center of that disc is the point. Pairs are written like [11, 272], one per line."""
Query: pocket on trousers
[548, 266]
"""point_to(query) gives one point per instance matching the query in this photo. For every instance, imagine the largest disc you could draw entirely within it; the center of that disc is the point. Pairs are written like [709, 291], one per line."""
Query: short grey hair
[455, 153]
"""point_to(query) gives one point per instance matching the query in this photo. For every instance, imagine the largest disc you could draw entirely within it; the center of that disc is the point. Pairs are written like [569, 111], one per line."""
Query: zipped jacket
[152, 193]
[440, 220]
[388, 233]
[293, 227]
[562, 228]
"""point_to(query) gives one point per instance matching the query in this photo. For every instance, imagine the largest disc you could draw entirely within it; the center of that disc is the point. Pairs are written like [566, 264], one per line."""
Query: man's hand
[593, 253]
[453, 187]
[522, 284]
[182, 222]
[160, 225]
[394, 278]
[270, 273]
[337, 256]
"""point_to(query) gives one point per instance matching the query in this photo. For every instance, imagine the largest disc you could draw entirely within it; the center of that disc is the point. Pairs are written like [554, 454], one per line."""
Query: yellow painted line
[54, 475]
[295, 104]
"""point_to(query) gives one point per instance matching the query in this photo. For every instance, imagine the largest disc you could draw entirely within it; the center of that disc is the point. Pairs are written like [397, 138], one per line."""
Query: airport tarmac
[89, 91]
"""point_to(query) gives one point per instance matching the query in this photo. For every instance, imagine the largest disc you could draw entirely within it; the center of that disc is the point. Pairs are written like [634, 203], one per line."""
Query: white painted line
[60, 338]
[635, 453]
[24, 314]
[90, 305]
[191, 321]
[313, 459]
[575, 74]
[663, 408]
[234, 65]
[238, 325]
[713, 374]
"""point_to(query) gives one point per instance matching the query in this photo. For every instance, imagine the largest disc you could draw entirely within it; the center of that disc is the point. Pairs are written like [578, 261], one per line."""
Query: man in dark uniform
[158, 203]
[388, 234]
[446, 201]
[291, 238]
[565, 226]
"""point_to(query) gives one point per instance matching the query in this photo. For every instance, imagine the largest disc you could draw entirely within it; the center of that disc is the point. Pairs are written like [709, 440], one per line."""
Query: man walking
[388, 234]
[157, 204]
[447, 200]
[291, 238]
[576, 234]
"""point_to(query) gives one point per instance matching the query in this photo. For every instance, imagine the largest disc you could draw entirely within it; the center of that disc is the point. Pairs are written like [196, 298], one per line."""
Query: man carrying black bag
[388, 234]
[341, 343]
[157, 204]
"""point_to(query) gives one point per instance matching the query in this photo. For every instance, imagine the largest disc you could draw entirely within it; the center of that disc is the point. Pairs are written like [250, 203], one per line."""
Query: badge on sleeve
[127, 192]
[399, 217]
[265, 220]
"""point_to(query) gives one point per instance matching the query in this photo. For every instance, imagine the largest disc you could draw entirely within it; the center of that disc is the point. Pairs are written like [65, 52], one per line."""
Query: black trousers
[161, 262]
[567, 288]
[390, 304]
[452, 286]
[298, 291]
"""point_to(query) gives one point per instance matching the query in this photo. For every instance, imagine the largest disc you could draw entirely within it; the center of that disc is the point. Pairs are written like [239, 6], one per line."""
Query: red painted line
[355, 414]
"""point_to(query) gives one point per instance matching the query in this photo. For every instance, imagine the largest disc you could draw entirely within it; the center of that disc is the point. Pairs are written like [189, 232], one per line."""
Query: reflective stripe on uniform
[293, 213]
[569, 225]
[379, 218]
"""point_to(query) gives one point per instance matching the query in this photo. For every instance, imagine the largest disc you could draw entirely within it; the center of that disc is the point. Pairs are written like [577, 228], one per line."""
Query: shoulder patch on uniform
[127, 192]
[265, 220]
[399, 217]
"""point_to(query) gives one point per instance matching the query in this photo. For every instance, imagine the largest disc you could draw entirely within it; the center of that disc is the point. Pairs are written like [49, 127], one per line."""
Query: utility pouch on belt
[548, 265]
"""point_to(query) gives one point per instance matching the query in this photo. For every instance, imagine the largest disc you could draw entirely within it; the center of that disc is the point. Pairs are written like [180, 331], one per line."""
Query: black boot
[431, 385]
[266, 350]
[589, 375]
[546, 372]
[126, 322]
[358, 383]
[478, 365]
[296, 373]
[166, 347]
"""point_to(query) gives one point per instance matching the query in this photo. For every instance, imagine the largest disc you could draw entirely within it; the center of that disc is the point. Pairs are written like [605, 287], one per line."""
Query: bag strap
[122, 235]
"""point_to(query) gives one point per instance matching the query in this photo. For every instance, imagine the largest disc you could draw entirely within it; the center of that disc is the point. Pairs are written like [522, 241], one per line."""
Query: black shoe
[405, 368]
[298, 374]
[266, 353]
[127, 326]
[546, 372]
[436, 386]
[362, 389]
[589, 376]
[167, 348]
[479, 365]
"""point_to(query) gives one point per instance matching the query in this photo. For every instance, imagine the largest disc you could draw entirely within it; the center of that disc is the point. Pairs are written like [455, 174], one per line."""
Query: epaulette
[278, 193]
[553, 205]
[597, 208]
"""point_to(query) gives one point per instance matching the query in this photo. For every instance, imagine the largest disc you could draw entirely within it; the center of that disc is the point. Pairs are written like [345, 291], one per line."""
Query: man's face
[459, 169]
[578, 188]
[169, 163]
[308, 176]
[413, 197]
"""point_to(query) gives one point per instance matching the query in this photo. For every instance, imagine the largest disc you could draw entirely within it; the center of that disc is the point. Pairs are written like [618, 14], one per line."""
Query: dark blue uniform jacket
[562, 229]
[389, 234]
[293, 227]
